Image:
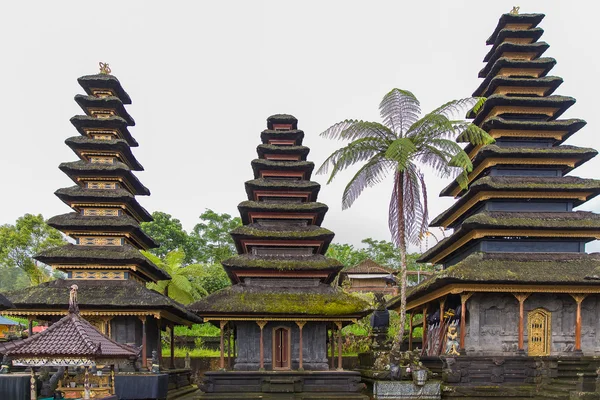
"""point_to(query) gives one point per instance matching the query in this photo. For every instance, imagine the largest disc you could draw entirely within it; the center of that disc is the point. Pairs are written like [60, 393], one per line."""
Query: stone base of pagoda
[290, 385]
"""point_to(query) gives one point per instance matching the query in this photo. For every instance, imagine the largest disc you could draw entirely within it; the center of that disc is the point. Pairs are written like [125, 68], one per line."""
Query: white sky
[204, 76]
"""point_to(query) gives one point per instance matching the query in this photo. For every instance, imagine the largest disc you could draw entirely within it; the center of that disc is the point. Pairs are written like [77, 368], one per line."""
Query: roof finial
[104, 68]
[515, 10]
[73, 307]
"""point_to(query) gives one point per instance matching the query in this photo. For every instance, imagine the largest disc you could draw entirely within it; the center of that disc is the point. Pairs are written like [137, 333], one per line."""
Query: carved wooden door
[281, 349]
[539, 332]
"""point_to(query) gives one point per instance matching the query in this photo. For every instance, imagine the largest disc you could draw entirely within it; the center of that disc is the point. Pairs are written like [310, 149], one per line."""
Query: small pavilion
[369, 277]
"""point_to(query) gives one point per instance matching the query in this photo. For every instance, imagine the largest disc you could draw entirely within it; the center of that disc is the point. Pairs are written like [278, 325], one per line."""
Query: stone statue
[155, 363]
[380, 322]
[452, 345]
[5, 365]
[188, 361]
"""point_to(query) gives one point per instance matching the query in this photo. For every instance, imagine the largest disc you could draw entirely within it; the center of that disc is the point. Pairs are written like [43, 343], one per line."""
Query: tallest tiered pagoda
[515, 268]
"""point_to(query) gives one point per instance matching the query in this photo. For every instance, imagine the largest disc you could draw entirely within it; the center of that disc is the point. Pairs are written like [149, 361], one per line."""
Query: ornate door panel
[281, 348]
[539, 333]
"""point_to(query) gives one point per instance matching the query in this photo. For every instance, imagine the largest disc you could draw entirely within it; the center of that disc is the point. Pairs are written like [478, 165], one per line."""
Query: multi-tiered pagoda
[105, 261]
[281, 304]
[515, 269]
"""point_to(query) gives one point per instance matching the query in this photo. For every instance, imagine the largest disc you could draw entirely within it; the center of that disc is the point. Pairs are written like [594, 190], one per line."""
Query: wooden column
[578, 299]
[33, 385]
[261, 325]
[521, 297]
[339, 328]
[159, 345]
[144, 342]
[229, 346]
[464, 297]
[112, 379]
[30, 327]
[442, 304]
[172, 366]
[424, 333]
[410, 330]
[86, 383]
[222, 360]
[300, 356]
[332, 345]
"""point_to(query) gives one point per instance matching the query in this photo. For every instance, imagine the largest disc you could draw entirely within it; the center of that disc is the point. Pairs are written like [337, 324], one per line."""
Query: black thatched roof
[71, 254]
[104, 81]
[305, 166]
[4, 303]
[491, 70]
[82, 122]
[532, 19]
[533, 34]
[550, 82]
[566, 184]
[297, 208]
[105, 196]
[557, 152]
[317, 301]
[513, 268]
[581, 221]
[283, 186]
[282, 119]
[538, 48]
[97, 295]
[79, 143]
[89, 102]
[295, 135]
[121, 223]
[308, 233]
[264, 149]
[562, 103]
[76, 169]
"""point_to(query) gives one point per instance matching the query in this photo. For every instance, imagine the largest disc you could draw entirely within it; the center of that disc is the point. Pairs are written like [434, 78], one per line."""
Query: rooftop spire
[515, 10]
[104, 68]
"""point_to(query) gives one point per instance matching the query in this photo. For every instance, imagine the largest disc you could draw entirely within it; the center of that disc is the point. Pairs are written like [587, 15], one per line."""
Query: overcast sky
[204, 76]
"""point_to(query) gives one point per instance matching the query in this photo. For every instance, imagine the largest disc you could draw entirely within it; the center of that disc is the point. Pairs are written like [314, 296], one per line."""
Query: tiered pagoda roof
[4, 303]
[281, 269]
[516, 216]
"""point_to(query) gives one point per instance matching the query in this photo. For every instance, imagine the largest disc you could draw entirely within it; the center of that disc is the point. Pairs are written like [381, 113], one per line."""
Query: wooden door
[538, 332]
[281, 348]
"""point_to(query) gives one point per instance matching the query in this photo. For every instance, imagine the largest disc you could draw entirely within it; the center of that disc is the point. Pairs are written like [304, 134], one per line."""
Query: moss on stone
[260, 205]
[293, 233]
[315, 262]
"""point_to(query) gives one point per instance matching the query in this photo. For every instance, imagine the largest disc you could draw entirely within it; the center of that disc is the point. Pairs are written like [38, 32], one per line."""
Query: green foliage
[213, 236]
[169, 234]
[19, 243]
[214, 278]
[205, 329]
[181, 352]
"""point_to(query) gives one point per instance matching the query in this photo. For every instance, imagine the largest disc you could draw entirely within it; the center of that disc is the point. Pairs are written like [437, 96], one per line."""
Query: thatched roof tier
[282, 119]
[557, 103]
[528, 21]
[77, 195]
[89, 224]
[369, 266]
[247, 208]
[534, 50]
[89, 83]
[549, 83]
[513, 268]
[295, 136]
[318, 301]
[573, 156]
[536, 224]
[97, 295]
[4, 303]
[514, 67]
[90, 103]
[81, 144]
[71, 254]
[259, 165]
[572, 188]
[83, 122]
[283, 234]
[264, 150]
[266, 185]
[532, 35]
[77, 169]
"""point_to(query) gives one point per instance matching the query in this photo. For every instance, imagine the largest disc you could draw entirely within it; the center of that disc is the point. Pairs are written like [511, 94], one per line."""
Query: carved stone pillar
[410, 330]
[464, 297]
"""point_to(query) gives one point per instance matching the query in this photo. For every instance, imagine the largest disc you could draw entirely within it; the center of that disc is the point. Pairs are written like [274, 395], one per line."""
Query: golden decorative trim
[102, 112]
[104, 68]
[526, 72]
[98, 241]
[516, 55]
[464, 297]
[578, 297]
[499, 110]
[498, 133]
[101, 212]
[93, 266]
[124, 184]
[98, 275]
[300, 324]
[35, 313]
[521, 297]
[518, 40]
[517, 26]
[526, 90]
[260, 323]
[515, 10]
[539, 332]
[259, 319]
[102, 92]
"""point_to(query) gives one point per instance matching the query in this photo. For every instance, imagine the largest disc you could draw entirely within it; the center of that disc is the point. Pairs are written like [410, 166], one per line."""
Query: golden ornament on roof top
[515, 10]
[104, 68]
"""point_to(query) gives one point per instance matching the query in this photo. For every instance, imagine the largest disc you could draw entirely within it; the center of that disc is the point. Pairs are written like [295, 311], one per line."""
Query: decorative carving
[104, 68]
[452, 345]
[539, 332]
[515, 10]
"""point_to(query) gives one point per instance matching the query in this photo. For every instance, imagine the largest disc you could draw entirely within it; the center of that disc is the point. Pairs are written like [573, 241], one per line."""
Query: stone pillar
[332, 345]
[261, 325]
[32, 385]
[410, 330]
[424, 335]
[578, 299]
[442, 301]
[521, 297]
[229, 346]
[172, 362]
[339, 327]
[222, 347]
[300, 356]
[159, 345]
[30, 325]
[464, 297]
[144, 342]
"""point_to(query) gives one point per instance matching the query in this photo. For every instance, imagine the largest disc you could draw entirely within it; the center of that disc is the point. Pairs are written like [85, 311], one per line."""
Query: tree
[169, 234]
[20, 242]
[401, 146]
[213, 233]
[185, 285]
[346, 254]
[214, 278]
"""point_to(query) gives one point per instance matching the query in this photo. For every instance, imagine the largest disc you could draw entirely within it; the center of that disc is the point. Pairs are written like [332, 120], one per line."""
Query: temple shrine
[516, 278]
[105, 260]
[281, 305]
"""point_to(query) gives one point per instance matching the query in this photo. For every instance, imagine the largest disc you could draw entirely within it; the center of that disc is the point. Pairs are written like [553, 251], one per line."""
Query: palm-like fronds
[399, 109]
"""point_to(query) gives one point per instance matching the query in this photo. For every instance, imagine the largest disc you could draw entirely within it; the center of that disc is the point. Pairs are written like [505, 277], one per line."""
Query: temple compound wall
[493, 320]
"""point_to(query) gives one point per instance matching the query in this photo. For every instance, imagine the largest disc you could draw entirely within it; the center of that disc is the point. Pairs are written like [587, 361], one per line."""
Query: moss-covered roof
[324, 300]
[544, 63]
[566, 184]
[305, 166]
[282, 119]
[295, 134]
[368, 266]
[511, 221]
[534, 34]
[515, 268]
[532, 19]
[538, 48]
[82, 122]
[581, 154]
[111, 196]
[550, 82]
[283, 186]
[111, 102]
[255, 231]
[297, 208]
[95, 294]
[4, 303]
[71, 254]
[104, 81]
[81, 143]
[264, 149]
[75, 169]
[562, 103]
